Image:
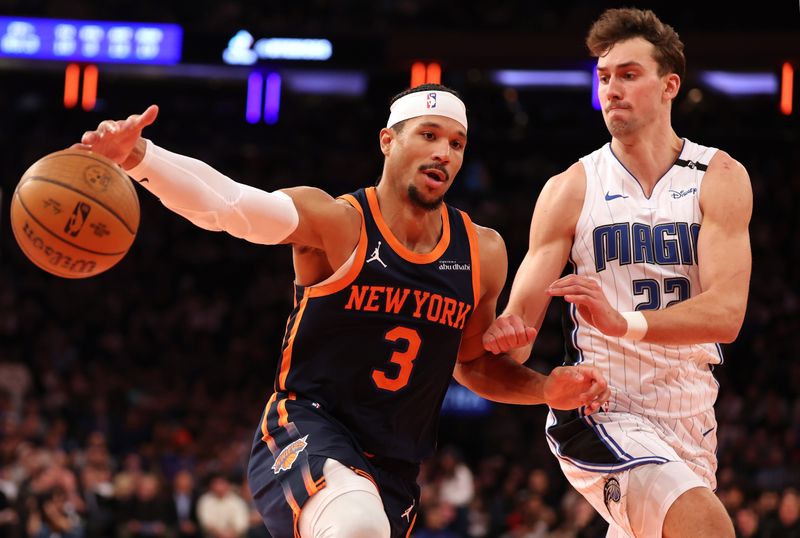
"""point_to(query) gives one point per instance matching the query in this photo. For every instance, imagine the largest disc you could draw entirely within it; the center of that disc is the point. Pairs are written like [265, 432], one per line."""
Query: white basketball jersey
[643, 251]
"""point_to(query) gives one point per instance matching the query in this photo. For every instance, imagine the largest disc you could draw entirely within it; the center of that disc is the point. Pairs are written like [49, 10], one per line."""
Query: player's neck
[648, 155]
[419, 230]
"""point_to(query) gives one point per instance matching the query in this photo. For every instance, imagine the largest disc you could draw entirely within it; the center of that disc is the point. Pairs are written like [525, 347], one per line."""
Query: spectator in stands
[222, 513]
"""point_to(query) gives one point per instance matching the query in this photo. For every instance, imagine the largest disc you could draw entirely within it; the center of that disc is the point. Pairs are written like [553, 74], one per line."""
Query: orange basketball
[75, 213]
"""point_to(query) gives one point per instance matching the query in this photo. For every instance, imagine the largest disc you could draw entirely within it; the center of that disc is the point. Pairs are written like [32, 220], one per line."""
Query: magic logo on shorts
[431, 101]
[287, 457]
[611, 492]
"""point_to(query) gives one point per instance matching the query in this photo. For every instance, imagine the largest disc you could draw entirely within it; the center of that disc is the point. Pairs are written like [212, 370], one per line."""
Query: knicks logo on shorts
[287, 457]
[611, 492]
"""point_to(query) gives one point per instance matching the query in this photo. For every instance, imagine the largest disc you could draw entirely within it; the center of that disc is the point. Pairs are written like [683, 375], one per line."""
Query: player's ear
[671, 87]
[386, 137]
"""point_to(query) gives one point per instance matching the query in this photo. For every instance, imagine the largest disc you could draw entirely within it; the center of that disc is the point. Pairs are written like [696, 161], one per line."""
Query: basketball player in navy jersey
[392, 288]
[655, 230]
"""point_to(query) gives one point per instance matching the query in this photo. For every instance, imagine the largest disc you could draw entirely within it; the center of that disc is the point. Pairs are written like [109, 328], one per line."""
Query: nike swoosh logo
[610, 196]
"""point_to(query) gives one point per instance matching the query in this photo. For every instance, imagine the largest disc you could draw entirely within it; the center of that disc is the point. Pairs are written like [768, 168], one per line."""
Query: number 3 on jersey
[404, 359]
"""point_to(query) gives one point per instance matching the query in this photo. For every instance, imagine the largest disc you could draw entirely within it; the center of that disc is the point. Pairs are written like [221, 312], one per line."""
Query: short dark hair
[616, 25]
[421, 88]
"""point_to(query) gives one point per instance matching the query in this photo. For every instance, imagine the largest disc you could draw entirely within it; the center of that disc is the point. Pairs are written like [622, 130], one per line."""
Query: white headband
[428, 103]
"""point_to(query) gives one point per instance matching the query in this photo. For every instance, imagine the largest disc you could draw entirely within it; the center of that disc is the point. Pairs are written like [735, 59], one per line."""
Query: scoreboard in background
[334, 65]
[90, 41]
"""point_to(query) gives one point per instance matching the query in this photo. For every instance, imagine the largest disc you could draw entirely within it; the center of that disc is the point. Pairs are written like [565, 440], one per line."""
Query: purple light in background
[595, 83]
[272, 101]
[519, 78]
[254, 85]
[348, 83]
[741, 84]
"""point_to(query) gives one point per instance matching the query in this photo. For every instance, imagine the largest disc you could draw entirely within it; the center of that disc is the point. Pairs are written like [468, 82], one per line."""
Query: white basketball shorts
[632, 468]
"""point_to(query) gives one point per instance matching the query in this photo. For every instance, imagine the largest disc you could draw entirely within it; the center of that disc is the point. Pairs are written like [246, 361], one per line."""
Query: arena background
[113, 385]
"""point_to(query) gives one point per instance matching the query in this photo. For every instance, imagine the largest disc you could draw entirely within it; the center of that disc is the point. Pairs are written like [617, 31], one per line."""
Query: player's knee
[362, 522]
[698, 512]
[354, 515]
[701, 525]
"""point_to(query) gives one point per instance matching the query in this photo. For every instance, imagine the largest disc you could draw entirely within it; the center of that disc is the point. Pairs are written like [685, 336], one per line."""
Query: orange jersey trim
[358, 262]
[264, 428]
[311, 486]
[271, 444]
[397, 246]
[290, 500]
[283, 414]
[283, 418]
[286, 359]
[368, 476]
[474, 252]
[411, 527]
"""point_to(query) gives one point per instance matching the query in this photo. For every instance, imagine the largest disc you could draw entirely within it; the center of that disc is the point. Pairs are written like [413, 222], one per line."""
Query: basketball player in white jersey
[653, 231]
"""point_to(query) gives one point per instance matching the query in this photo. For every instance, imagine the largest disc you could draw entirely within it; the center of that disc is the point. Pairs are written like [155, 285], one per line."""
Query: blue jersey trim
[627, 460]
[683, 146]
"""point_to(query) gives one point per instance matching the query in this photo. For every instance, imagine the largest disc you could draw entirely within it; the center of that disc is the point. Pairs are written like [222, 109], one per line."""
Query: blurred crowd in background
[128, 401]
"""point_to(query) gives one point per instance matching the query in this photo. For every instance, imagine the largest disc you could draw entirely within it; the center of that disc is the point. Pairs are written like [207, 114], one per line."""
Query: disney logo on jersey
[680, 194]
[287, 457]
[451, 265]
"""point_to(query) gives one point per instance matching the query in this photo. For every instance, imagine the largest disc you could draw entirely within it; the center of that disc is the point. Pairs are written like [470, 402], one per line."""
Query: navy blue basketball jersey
[375, 349]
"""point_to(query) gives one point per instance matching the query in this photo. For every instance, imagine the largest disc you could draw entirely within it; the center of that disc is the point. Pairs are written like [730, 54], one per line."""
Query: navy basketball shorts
[290, 447]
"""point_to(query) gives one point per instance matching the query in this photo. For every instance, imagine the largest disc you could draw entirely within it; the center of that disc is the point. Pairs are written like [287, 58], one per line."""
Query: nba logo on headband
[431, 101]
[425, 103]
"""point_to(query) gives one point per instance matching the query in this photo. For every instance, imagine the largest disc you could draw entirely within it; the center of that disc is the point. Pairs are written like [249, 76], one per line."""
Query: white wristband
[637, 326]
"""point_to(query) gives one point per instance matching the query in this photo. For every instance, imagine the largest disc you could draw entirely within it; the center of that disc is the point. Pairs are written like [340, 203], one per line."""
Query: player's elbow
[732, 321]
[469, 375]
[458, 375]
[464, 373]
[729, 336]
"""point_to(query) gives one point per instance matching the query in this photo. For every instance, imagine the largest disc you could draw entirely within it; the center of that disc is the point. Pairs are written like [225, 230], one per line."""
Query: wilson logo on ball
[77, 219]
[55, 257]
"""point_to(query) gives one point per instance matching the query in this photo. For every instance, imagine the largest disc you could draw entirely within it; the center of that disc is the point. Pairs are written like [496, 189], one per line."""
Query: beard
[619, 128]
[428, 205]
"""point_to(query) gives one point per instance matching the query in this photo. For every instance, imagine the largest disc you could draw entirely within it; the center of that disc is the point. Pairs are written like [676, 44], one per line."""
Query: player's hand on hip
[507, 332]
[570, 387]
[120, 140]
[587, 295]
